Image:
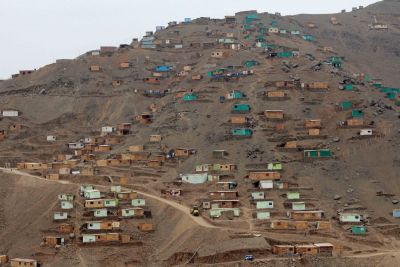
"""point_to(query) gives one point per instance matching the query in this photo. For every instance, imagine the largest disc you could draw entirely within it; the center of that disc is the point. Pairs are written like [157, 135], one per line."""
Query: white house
[268, 184]
[10, 113]
[365, 132]
[75, 145]
[108, 129]
[51, 138]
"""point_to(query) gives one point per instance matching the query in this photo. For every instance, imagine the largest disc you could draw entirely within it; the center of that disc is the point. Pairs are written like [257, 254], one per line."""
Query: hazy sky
[34, 33]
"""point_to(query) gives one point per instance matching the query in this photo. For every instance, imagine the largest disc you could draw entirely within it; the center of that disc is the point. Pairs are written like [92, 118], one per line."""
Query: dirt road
[185, 210]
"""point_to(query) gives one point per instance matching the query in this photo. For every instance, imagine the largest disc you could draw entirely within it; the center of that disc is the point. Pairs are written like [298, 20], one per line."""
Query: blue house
[162, 68]
[308, 37]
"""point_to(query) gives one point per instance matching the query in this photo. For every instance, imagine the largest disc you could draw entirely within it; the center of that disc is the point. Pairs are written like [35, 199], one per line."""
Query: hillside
[306, 111]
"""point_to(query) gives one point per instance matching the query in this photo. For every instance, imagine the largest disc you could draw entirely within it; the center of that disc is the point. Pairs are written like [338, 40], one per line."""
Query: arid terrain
[282, 132]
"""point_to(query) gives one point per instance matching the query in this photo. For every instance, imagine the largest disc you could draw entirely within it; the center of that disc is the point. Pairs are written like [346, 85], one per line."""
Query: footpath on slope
[186, 210]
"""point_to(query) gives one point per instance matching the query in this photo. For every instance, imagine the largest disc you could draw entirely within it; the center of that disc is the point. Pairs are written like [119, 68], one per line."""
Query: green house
[263, 215]
[138, 202]
[336, 61]
[258, 195]
[344, 105]
[242, 132]
[243, 108]
[322, 153]
[276, 166]
[357, 113]
[348, 87]
[292, 195]
[235, 94]
[391, 95]
[250, 63]
[265, 204]
[217, 212]
[298, 206]
[260, 38]
[377, 84]
[359, 230]
[252, 17]
[247, 37]
[287, 54]
[190, 97]
[308, 37]
[111, 203]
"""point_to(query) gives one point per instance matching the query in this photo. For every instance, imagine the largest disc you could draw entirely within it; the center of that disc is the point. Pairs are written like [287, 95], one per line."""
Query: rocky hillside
[317, 93]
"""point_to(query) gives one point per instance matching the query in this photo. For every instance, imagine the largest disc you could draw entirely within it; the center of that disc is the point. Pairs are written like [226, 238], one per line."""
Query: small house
[92, 194]
[306, 249]
[357, 113]
[350, 218]
[108, 129]
[218, 54]
[144, 118]
[223, 195]
[190, 97]
[324, 249]
[298, 205]
[366, 132]
[155, 138]
[95, 68]
[274, 114]
[66, 228]
[275, 166]
[260, 175]
[53, 176]
[132, 212]
[266, 184]
[265, 204]
[308, 37]
[219, 154]
[53, 241]
[355, 122]
[359, 230]
[242, 132]
[68, 197]
[127, 195]
[115, 188]
[241, 108]
[314, 132]
[163, 68]
[313, 123]
[10, 113]
[258, 195]
[152, 80]
[100, 213]
[235, 94]
[396, 213]
[124, 65]
[273, 30]
[239, 120]
[292, 195]
[59, 216]
[51, 138]
[322, 153]
[250, 63]
[18, 262]
[263, 215]
[75, 145]
[102, 225]
[3, 259]
[146, 227]
[311, 215]
[138, 202]
[197, 178]
[66, 204]
[276, 94]
[283, 250]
